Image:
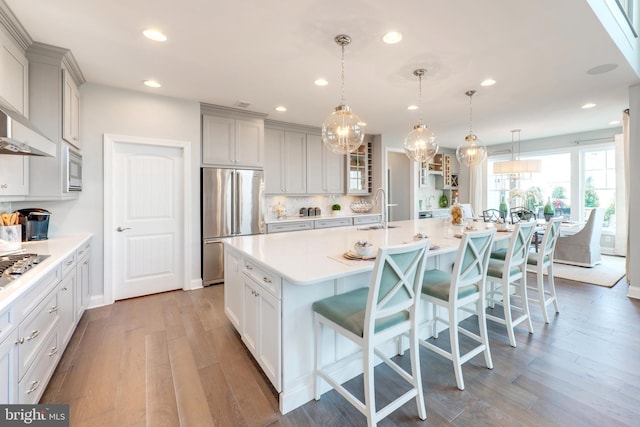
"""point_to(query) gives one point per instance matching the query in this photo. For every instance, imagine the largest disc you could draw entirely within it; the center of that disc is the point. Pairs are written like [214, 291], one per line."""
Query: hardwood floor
[173, 359]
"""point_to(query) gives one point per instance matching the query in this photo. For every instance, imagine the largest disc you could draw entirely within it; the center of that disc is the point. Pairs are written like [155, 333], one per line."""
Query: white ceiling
[268, 53]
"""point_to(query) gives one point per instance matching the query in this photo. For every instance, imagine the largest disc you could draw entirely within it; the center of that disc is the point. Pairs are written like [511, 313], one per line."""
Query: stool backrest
[396, 282]
[550, 238]
[470, 266]
[518, 249]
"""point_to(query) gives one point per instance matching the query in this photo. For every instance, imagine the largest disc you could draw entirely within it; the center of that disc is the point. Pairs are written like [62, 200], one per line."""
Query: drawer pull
[34, 387]
[53, 309]
[20, 341]
[33, 335]
[65, 289]
[54, 351]
[248, 267]
[68, 263]
[80, 253]
[266, 280]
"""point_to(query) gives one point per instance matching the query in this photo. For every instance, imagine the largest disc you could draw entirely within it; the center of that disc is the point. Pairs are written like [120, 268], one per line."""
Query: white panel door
[148, 219]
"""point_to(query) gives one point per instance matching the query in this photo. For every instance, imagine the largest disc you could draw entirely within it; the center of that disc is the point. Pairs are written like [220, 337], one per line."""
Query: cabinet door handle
[4, 186]
[53, 309]
[266, 280]
[121, 229]
[20, 341]
[68, 263]
[34, 387]
[54, 351]
[33, 335]
[64, 289]
[248, 267]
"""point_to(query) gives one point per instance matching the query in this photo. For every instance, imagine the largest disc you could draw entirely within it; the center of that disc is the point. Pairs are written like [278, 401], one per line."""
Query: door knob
[120, 229]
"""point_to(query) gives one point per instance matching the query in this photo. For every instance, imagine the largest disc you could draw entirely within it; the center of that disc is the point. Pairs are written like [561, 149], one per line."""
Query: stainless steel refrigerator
[232, 205]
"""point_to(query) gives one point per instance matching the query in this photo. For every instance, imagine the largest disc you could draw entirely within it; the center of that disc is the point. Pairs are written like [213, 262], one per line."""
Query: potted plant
[335, 208]
[548, 210]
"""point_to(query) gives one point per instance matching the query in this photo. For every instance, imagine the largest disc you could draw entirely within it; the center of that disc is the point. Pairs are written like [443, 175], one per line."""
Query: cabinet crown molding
[12, 26]
[42, 52]
[221, 111]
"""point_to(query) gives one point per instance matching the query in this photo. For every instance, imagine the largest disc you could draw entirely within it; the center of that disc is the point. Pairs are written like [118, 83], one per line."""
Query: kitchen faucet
[429, 201]
[384, 205]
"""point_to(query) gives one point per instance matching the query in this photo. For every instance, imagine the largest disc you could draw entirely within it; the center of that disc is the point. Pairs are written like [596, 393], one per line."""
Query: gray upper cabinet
[14, 93]
[285, 170]
[52, 71]
[232, 137]
[325, 169]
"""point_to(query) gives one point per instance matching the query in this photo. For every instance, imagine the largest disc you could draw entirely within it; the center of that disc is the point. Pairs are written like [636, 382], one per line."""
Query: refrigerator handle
[234, 202]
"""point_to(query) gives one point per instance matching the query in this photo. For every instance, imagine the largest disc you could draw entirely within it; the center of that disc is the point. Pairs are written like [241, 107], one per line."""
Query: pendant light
[471, 152]
[516, 166]
[421, 144]
[342, 131]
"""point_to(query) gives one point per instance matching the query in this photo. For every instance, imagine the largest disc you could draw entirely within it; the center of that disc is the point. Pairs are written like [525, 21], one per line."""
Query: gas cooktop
[13, 266]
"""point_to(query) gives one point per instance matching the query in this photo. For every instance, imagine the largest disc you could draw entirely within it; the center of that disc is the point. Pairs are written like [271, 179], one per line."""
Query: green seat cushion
[436, 283]
[499, 254]
[496, 269]
[532, 259]
[348, 310]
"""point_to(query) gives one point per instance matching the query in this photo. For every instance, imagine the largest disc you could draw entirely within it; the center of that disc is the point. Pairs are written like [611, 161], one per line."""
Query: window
[599, 182]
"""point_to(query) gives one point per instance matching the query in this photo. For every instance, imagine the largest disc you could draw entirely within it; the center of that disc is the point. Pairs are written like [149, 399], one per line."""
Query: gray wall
[116, 111]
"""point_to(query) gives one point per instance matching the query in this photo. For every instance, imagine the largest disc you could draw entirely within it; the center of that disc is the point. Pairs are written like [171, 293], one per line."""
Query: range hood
[19, 137]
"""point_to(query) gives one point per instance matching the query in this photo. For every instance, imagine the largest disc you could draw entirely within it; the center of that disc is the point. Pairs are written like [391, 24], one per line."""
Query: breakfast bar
[271, 281]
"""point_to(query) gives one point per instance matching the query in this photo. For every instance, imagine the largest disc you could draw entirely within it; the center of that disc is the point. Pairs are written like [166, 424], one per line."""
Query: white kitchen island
[271, 280]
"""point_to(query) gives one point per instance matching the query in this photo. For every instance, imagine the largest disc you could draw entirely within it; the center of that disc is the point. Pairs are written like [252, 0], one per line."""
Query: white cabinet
[367, 219]
[54, 100]
[14, 75]
[9, 368]
[261, 327]
[70, 109]
[253, 304]
[66, 299]
[282, 227]
[83, 277]
[14, 177]
[325, 169]
[359, 176]
[332, 222]
[233, 295]
[229, 140]
[285, 169]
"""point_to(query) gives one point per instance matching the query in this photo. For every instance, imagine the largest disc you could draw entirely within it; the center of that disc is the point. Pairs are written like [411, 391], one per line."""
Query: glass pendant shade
[471, 153]
[421, 144]
[342, 131]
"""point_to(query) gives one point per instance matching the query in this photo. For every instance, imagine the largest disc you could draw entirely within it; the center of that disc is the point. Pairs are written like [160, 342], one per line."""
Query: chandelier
[421, 144]
[471, 152]
[342, 131]
[517, 166]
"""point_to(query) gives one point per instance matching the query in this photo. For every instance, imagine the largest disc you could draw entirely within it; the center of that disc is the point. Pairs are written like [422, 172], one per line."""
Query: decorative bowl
[361, 207]
[363, 248]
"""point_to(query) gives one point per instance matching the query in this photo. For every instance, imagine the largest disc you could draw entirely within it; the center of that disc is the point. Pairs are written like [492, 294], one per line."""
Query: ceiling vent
[242, 104]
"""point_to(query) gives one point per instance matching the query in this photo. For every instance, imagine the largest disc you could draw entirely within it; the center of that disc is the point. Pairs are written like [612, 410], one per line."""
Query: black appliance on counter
[35, 223]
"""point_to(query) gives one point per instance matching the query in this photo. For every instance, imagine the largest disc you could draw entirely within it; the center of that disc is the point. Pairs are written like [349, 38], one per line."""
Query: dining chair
[521, 214]
[508, 268]
[543, 261]
[463, 287]
[371, 316]
[491, 215]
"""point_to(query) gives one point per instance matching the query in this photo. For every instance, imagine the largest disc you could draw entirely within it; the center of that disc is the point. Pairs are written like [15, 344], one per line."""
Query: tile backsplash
[293, 204]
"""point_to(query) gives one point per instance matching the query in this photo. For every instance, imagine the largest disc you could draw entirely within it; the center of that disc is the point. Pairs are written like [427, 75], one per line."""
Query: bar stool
[373, 316]
[541, 261]
[507, 268]
[464, 286]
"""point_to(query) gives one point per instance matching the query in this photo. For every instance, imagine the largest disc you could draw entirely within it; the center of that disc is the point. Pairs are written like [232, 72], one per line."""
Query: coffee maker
[35, 223]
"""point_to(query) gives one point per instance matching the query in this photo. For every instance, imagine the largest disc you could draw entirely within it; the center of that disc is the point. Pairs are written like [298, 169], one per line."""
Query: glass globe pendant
[472, 152]
[421, 145]
[343, 131]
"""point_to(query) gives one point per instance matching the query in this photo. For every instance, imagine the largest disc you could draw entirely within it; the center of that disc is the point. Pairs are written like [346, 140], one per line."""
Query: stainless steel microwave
[72, 164]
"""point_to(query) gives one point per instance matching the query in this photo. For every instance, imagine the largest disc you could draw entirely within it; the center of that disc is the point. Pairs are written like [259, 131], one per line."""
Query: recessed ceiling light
[392, 37]
[154, 35]
[281, 108]
[588, 105]
[321, 82]
[488, 82]
[412, 107]
[152, 83]
[614, 122]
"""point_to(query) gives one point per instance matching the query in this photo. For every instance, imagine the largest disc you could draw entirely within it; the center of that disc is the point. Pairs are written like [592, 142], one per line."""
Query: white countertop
[294, 218]
[313, 256]
[57, 248]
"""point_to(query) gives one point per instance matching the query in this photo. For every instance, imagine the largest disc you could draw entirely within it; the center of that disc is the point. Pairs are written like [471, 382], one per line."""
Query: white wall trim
[109, 143]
